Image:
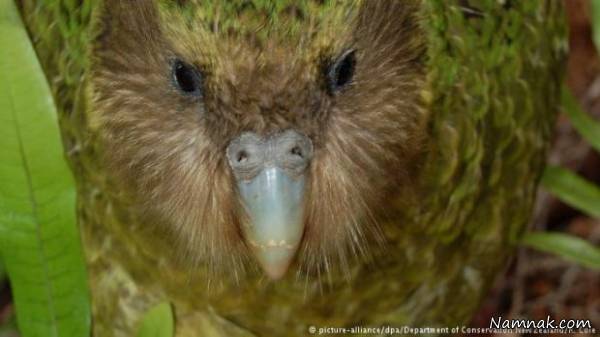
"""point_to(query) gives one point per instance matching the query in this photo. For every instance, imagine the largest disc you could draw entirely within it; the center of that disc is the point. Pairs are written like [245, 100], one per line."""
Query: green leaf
[595, 6]
[572, 189]
[569, 247]
[157, 322]
[39, 240]
[588, 127]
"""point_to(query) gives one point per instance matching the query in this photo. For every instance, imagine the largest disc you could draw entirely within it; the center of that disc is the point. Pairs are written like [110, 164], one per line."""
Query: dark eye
[340, 72]
[187, 78]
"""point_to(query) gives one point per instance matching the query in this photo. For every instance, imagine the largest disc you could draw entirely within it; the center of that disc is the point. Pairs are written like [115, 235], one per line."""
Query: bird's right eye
[339, 73]
[186, 78]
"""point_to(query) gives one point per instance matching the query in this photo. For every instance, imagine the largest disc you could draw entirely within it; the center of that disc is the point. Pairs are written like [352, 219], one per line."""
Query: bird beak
[270, 173]
[274, 203]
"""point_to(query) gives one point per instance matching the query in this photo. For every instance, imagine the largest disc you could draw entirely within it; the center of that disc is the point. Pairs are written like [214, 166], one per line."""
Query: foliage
[587, 126]
[567, 246]
[595, 7]
[157, 322]
[573, 190]
[39, 241]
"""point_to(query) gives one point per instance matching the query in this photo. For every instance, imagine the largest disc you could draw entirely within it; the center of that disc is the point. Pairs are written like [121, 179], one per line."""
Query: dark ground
[536, 284]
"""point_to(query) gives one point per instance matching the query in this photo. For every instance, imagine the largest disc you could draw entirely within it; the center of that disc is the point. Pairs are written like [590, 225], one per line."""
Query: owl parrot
[267, 166]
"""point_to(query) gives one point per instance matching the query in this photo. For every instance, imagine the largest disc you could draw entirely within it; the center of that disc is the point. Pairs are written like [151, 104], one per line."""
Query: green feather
[493, 88]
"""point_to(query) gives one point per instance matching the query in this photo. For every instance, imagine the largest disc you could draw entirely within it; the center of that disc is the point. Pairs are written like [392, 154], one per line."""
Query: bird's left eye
[186, 78]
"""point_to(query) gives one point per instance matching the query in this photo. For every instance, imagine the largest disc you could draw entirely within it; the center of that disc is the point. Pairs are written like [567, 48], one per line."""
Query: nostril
[292, 150]
[249, 153]
[246, 155]
[297, 151]
[241, 156]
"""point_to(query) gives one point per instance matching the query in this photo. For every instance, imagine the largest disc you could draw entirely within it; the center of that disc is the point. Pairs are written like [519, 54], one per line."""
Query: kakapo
[267, 166]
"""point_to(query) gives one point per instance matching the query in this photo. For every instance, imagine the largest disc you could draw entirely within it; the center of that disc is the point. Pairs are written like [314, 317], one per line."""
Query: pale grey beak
[271, 179]
[274, 202]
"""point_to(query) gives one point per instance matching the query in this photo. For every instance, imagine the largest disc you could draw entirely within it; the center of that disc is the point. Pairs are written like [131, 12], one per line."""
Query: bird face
[261, 129]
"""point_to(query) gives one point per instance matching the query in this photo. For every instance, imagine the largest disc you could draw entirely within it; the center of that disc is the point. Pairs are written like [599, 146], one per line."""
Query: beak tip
[275, 263]
[275, 272]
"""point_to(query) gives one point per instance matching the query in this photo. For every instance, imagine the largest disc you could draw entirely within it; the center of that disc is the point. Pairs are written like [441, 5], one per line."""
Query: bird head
[272, 129]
